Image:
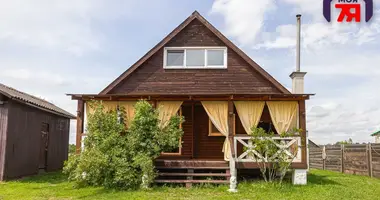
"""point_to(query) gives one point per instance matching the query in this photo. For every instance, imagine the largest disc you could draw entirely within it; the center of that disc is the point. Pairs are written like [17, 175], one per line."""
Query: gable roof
[162, 43]
[375, 133]
[34, 101]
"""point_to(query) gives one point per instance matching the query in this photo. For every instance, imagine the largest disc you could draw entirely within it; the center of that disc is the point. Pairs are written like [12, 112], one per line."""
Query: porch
[200, 152]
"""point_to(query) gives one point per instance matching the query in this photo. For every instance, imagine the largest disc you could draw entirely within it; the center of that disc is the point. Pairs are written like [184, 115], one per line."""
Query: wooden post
[342, 159]
[190, 177]
[369, 153]
[233, 172]
[80, 124]
[324, 157]
[302, 125]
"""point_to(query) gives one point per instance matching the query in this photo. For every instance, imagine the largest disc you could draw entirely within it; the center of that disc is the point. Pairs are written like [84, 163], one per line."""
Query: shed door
[44, 145]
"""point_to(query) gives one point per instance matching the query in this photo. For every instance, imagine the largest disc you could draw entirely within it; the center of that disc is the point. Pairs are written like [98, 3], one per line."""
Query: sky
[49, 48]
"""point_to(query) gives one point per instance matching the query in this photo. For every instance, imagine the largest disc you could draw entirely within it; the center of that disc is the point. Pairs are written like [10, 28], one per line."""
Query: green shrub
[114, 157]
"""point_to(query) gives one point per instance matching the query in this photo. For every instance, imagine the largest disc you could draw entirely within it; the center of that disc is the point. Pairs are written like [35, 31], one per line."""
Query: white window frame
[195, 67]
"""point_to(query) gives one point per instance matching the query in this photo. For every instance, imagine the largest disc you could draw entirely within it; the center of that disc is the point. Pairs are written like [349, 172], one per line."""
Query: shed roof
[33, 101]
[375, 133]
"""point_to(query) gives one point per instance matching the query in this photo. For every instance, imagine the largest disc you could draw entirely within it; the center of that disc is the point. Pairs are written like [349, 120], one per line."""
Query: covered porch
[202, 149]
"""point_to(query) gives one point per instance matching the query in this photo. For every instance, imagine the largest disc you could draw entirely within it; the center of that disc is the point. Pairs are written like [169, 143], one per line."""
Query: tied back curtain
[249, 113]
[217, 111]
[283, 114]
[166, 110]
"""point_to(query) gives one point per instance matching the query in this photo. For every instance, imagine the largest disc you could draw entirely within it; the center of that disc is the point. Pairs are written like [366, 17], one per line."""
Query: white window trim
[195, 67]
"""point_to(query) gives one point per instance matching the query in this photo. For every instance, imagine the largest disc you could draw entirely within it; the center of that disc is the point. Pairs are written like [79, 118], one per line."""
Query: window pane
[215, 57]
[195, 57]
[175, 58]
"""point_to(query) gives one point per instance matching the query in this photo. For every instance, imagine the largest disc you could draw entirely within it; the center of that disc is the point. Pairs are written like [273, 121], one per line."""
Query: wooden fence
[361, 159]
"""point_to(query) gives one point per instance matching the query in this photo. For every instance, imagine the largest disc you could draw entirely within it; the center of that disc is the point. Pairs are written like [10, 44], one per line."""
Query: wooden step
[194, 174]
[192, 181]
[190, 167]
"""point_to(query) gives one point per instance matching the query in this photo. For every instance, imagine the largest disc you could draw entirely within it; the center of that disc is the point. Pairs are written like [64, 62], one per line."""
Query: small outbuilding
[34, 134]
[377, 136]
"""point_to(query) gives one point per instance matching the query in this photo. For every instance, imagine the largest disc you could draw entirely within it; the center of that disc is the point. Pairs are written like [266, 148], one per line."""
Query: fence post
[369, 161]
[342, 159]
[324, 157]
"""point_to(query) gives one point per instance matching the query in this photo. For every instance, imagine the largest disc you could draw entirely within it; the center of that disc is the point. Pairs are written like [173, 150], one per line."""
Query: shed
[34, 134]
[377, 136]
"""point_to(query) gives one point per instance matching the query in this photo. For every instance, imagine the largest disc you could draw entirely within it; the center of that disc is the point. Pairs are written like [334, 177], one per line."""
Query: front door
[44, 145]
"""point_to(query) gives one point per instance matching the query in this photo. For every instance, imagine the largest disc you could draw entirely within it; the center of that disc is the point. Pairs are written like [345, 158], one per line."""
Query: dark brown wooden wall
[24, 138]
[3, 135]
[187, 126]
[239, 78]
[206, 147]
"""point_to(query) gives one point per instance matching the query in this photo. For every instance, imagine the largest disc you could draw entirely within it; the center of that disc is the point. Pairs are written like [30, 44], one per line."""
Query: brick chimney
[298, 76]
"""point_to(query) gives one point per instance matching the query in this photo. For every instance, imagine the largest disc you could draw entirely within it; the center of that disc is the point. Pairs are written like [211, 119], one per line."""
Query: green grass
[321, 185]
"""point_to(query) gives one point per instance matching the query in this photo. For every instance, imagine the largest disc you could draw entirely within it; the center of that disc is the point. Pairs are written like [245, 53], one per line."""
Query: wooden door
[44, 145]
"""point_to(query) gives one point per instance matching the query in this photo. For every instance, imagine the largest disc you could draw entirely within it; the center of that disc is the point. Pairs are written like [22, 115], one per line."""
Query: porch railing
[291, 146]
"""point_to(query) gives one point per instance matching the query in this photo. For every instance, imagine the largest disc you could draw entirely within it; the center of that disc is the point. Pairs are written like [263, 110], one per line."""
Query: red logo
[349, 10]
[346, 12]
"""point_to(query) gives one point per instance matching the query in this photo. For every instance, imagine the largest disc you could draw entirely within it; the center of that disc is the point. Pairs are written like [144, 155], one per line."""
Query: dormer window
[195, 58]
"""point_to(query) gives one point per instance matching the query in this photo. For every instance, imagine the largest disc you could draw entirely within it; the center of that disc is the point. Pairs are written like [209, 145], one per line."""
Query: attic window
[195, 58]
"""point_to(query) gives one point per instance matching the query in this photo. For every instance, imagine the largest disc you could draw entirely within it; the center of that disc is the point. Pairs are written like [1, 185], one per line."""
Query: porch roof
[112, 97]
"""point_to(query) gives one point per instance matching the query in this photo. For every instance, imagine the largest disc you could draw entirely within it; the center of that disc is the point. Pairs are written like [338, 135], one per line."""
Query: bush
[114, 157]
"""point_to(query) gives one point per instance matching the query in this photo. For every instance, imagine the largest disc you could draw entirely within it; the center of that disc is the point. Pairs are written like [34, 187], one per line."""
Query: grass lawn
[321, 185]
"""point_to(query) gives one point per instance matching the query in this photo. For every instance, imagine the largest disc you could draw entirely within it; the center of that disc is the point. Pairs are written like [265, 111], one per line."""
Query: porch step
[193, 181]
[194, 174]
[186, 167]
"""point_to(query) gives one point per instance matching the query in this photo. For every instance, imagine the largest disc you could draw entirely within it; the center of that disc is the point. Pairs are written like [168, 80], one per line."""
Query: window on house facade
[195, 58]
[213, 131]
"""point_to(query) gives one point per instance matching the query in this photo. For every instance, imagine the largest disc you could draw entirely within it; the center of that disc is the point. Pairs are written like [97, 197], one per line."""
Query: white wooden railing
[284, 144]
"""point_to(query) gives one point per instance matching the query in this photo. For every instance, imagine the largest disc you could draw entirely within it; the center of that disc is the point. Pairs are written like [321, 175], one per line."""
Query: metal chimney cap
[298, 15]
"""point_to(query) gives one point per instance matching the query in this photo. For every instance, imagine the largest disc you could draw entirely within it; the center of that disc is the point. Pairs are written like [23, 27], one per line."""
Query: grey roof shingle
[30, 99]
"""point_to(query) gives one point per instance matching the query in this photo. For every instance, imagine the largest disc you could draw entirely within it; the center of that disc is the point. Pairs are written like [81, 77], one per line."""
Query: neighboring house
[377, 136]
[34, 134]
[198, 73]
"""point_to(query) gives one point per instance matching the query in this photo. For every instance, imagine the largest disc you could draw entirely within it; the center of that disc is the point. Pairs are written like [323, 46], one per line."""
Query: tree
[349, 141]
[266, 152]
[116, 157]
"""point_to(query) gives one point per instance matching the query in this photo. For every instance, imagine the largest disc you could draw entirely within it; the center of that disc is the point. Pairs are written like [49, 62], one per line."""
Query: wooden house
[34, 134]
[197, 72]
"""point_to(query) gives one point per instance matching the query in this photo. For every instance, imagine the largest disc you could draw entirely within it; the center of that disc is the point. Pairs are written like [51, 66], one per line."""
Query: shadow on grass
[50, 177]
[320, 180]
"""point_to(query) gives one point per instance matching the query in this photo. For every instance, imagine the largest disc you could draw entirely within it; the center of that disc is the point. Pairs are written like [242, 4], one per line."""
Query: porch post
[80, 123]
[300, 175]
[233, 171]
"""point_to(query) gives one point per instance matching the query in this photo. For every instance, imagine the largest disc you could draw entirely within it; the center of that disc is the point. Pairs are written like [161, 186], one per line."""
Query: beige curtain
[112, 105]
[166, 110]
[283, 114]
[249, 113]
[108, 105]
[217, 111]
[129, 107]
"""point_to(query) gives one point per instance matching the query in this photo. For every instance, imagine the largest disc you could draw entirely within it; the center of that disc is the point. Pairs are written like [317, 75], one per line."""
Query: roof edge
[158, 46]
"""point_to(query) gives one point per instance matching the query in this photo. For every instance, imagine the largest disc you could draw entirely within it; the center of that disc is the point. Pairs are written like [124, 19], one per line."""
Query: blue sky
[51, 47]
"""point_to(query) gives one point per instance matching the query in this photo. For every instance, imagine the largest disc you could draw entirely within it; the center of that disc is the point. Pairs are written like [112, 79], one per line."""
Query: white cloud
[244, 19]
[55, 24]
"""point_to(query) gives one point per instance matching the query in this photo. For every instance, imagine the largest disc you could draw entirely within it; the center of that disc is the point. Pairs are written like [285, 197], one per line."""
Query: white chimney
[298, 76]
